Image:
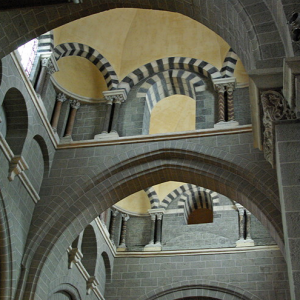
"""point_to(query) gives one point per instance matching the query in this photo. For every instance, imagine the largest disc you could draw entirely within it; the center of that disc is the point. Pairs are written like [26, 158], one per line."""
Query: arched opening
[61, 295]
[16, 118]
[89, 250]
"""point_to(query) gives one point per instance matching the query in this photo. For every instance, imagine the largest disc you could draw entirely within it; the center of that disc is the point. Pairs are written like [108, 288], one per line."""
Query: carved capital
[220, 88]
[115, 212]
[61, 97]
[159, 215]
[153, 217]
[230, 87]
[44, 61]
[75, 104]
[115, 96]
[75, 256]
[125, 217]
[275, 109]
[17, 166]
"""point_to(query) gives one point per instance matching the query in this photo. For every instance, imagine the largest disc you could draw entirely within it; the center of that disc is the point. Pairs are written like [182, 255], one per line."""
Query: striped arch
[46, 42]
[229, 64]
[81, 50]
[196, 198]
[164, 64]
[153, 198]
[169, 83]
[175, 193]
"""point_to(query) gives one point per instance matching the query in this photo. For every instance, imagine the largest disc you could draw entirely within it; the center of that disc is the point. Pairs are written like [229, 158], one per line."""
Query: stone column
[244, 227]
[42, 76]
[74, 107]
[60, 98]
[230, 106]
[221, 85]
[117, 104]
[221, 102]
[109, 104]
[113, 225]
[48, 66]
[113, 98]
[122, 246]
[248, 225]
[158, 228]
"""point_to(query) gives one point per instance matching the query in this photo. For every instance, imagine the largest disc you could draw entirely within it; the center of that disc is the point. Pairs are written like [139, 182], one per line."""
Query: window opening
[28, 53]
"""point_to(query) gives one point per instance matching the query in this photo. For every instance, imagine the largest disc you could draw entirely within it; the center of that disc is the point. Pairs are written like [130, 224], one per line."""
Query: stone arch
[169, 63]
[227, 174]
[40, 140]
[16, 120]
[153, 197]
[169, 83]
[106, 274]
[89, 53]
[199, 288]
[68, 289]
[175, 193]
[240, 31]
[89, 250]
[229, 63]
[5, 253]
[194, 199]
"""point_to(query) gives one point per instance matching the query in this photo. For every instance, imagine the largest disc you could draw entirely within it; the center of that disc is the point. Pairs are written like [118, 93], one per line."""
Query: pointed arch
[229, 64]
[153, 197]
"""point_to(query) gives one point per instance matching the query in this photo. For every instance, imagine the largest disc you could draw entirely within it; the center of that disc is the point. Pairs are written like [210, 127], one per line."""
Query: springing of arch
[153, 197]
[169, 83]
[229, 63]
[169, 63]
[107, 264]
[46, 42]
[81, 50]
[197, 198]
[44, 149]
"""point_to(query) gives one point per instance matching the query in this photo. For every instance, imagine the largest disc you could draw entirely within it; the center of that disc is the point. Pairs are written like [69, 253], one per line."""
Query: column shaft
[221, 103]
[74, 107]
[241, 223]
[115, 117]
[248, 225]
[152, 231]
[107, 117]
[230, 106]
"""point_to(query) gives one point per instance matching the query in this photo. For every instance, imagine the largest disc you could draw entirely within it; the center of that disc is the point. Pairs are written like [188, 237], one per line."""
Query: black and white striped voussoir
[189, 64]
[169, 83]
[81, 50]
[229, 64]
[45, 43]
[153, 197]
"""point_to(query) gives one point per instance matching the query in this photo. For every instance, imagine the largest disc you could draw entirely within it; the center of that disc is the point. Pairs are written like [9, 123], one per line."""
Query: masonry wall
[49, 97]
[262, 273]
[242, 110]
[16, 204]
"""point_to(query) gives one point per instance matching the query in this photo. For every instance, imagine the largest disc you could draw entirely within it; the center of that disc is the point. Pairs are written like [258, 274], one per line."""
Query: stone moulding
[275, 109]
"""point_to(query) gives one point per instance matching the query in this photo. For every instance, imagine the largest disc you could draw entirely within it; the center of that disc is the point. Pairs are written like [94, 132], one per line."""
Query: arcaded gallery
[150, 150]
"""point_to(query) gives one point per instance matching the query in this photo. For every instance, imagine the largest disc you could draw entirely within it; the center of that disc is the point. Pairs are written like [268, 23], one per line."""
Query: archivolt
[211, 289]
[169, 63]
[77, 49]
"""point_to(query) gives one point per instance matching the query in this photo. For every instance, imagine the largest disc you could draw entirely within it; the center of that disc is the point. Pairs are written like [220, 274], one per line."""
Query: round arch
[206, 290]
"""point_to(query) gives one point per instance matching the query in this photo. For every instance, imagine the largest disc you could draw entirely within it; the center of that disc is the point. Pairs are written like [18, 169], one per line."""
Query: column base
[223, 124]
[153, 247]
[122, 248]
[66, 139]
[106, 136]
[245, 243]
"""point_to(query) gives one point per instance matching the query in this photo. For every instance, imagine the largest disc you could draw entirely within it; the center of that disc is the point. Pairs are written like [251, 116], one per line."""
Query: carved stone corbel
[17, 166]
[91, 284]
[75, 256]
[275, 109]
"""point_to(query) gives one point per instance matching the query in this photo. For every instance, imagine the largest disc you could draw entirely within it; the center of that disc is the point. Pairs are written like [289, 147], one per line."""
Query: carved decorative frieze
[275, 109]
